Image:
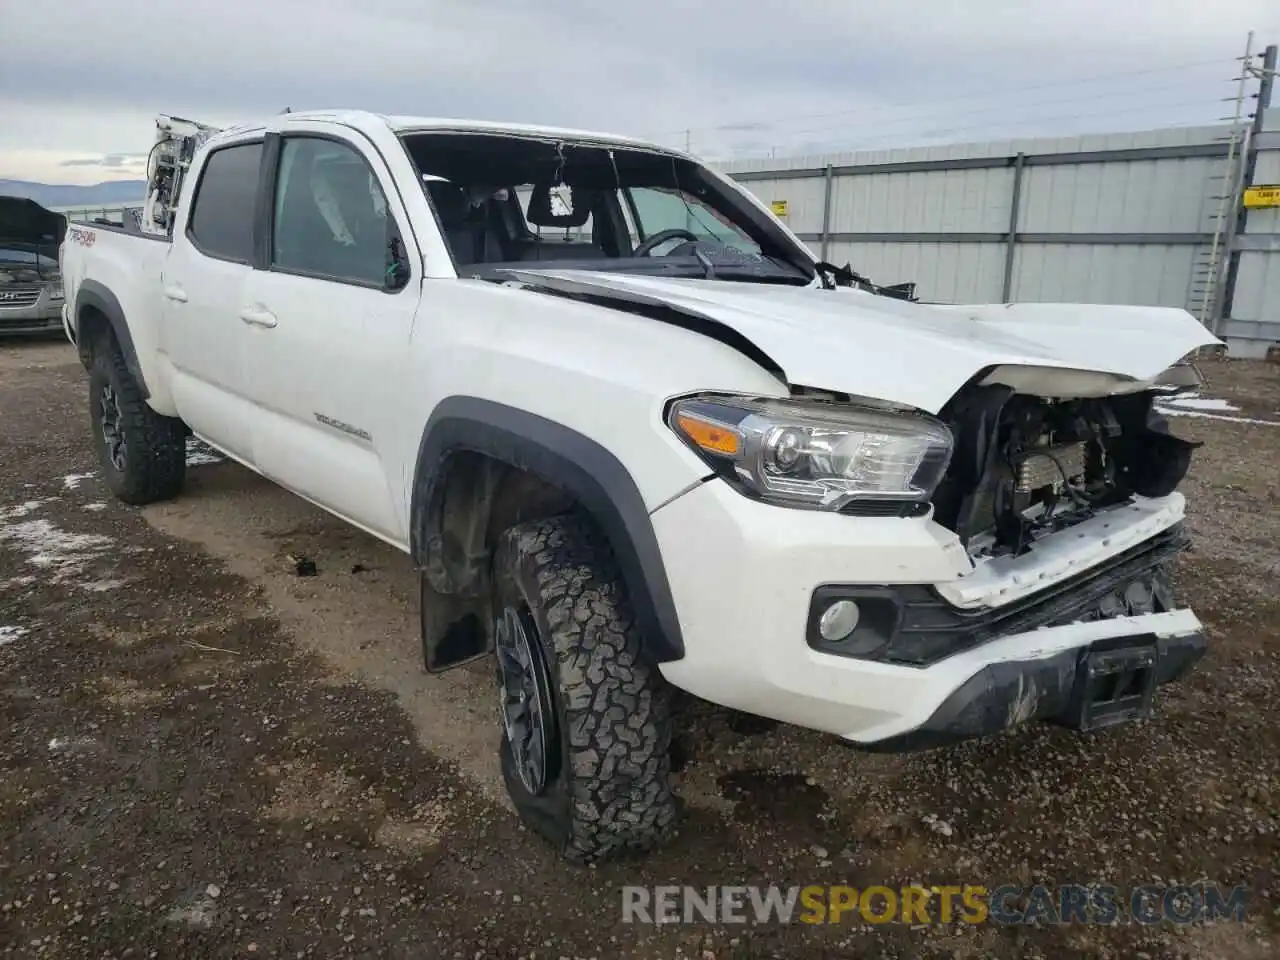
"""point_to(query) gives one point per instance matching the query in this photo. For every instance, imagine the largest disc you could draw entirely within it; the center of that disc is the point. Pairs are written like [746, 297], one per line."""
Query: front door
[204, 284]
[332, 329]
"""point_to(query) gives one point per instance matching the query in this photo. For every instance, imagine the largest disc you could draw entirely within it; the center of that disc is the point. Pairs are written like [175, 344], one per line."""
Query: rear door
[203, 332]
[334, 316]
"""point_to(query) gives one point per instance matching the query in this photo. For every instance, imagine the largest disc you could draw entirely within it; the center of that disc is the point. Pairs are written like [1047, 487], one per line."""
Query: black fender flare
[573, 462]
[93, 295]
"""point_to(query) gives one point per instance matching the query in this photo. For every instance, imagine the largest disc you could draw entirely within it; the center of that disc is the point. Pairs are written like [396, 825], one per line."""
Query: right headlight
[816, 454]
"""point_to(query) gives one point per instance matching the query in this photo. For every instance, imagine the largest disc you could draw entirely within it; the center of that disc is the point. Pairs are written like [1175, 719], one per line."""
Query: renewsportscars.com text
[917, 904]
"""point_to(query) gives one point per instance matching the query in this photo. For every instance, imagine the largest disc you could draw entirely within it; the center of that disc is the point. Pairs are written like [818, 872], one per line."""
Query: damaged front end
[31, 295]
[1026, 466]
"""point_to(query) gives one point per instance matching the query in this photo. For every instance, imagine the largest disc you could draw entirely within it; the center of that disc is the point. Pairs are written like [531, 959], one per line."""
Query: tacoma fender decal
[93, 295]
[573, 462]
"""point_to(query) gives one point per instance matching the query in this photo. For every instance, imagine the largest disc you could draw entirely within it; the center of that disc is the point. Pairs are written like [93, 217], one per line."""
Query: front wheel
[143, 454]
[586, 718]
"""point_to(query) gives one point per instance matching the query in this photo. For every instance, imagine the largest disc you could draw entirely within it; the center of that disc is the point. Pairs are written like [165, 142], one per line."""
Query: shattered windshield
[504, 200]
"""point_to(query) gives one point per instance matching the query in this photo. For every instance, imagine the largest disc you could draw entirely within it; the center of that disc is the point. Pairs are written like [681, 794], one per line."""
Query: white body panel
[916, 354]
[743, 573]
[327, 388]
[131, 267]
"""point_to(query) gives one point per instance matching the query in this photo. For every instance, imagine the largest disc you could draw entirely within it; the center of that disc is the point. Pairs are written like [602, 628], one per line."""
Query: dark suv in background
[30, 280]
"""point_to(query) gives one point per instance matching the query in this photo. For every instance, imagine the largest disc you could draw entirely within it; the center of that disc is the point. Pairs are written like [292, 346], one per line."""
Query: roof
[402, 124]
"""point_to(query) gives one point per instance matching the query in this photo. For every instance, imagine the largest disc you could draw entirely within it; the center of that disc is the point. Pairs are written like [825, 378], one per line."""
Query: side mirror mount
[398, 273]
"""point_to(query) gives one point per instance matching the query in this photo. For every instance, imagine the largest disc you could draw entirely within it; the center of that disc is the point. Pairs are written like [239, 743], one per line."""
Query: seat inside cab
[516, 223]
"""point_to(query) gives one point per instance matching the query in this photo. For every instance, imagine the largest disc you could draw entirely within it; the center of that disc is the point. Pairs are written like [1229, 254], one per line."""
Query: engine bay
[1026, 466]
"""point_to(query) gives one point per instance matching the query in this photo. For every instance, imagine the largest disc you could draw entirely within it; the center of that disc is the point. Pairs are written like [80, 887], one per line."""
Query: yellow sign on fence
[779, 208]
[1263, 195]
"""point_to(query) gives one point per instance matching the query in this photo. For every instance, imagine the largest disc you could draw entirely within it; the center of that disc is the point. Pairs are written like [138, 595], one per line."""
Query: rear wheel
[586, 718]
[142, 454]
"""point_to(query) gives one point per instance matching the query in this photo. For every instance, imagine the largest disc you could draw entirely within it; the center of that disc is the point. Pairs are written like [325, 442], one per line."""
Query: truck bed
[107, 267]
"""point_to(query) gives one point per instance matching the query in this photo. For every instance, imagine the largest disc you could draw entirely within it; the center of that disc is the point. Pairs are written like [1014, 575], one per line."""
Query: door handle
[258, 317]
[176, 294]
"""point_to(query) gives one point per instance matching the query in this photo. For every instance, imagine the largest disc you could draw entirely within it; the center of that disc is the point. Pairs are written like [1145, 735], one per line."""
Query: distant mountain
[70, 195]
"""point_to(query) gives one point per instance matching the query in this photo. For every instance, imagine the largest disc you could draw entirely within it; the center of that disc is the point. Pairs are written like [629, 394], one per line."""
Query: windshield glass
[11, 256]
[505, 201]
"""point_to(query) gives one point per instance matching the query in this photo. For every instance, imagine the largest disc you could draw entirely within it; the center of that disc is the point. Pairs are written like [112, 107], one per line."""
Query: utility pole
[1265, 75]
[1225, 221]
[1265, 85]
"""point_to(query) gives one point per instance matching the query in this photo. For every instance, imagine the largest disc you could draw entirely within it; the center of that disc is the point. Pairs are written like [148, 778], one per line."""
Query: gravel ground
[206, 755]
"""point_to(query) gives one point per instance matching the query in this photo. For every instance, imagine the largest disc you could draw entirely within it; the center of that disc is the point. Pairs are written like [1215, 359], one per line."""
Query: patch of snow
[95, 506]
[102, 586]
[1193, 401]
[9, 634]
[48, 547]
[22, 509]
[1171, 412]
[72, 480]
[199, 454]
[201, 913]
[70, 745]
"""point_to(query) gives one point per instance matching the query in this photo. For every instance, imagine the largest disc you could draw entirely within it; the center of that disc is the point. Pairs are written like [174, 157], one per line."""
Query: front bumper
[1005, 694]
[744, 574]
[42, 315]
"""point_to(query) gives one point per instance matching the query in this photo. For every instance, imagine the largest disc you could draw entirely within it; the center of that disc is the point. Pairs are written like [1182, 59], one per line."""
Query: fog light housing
[853, 620]
[838, 620]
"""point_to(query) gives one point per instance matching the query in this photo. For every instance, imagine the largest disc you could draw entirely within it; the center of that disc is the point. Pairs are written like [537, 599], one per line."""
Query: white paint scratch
[73, 480]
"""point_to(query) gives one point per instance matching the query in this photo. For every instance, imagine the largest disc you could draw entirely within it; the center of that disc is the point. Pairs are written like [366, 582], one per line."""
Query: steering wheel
[661, 237]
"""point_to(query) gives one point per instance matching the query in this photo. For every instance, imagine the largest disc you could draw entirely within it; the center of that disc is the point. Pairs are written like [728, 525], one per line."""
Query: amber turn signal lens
[712, 437]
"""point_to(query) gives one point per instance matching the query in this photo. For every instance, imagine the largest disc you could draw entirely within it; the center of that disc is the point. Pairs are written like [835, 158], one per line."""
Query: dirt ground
[205, 755]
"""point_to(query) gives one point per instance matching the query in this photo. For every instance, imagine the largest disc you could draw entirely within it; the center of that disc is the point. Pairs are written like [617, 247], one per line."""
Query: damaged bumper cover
[1089, 687]
[745, 589]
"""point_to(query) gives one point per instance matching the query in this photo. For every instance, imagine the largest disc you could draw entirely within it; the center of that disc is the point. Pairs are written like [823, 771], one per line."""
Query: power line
[969, 96]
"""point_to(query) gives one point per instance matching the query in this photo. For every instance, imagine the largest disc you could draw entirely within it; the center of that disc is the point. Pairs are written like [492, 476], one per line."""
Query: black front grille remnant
[1133, 582]
[914, 625]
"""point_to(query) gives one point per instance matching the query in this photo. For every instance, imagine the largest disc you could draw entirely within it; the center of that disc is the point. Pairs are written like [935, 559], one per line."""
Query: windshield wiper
[831, 276]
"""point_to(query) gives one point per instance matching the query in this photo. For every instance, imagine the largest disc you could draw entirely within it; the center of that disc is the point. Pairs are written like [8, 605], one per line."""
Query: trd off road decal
[344, 427]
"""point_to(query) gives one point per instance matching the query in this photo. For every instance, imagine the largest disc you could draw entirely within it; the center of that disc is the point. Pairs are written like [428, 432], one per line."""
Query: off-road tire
[608, 795]
[155, 453]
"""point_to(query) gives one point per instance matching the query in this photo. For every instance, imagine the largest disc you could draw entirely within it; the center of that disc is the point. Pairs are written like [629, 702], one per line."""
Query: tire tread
[156, 462]
[615, 705]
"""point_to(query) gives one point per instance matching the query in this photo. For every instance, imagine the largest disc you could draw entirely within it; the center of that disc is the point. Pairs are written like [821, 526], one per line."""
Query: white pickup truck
[635, 436]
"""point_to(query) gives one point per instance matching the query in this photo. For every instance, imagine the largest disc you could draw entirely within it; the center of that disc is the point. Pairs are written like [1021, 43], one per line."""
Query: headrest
[343, 182]
[451, 201]
[540, 215]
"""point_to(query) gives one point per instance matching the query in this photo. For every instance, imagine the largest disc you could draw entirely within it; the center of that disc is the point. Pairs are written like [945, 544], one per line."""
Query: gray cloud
[109, 160]
[747, 76]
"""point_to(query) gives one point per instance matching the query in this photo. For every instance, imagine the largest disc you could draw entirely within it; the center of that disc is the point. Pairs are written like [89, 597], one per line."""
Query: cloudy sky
[81, 80]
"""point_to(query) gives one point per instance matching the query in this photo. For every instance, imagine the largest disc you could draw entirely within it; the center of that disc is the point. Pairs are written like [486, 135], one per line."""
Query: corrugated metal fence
[1254, 322]
[1117, 218]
